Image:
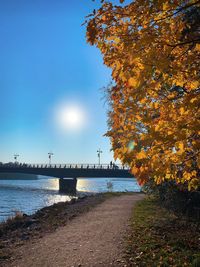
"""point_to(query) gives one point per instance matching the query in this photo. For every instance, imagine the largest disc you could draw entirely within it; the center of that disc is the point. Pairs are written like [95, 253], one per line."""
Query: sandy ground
[95, 238]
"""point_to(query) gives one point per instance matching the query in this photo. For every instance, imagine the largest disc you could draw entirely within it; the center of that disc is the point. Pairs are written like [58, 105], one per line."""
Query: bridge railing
[66, 166]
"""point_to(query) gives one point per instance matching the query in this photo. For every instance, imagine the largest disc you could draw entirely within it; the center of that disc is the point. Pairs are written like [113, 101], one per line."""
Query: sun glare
[70, 117]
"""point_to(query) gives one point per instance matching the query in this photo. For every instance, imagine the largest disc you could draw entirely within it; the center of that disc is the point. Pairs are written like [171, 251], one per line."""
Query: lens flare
[131, 146]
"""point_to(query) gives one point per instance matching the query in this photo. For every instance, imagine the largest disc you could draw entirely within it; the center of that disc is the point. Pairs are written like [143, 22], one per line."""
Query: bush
[176, 198]
[109, 186]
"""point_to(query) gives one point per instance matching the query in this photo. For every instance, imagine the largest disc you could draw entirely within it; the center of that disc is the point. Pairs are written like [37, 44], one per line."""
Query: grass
[18, 215]
[160, 238]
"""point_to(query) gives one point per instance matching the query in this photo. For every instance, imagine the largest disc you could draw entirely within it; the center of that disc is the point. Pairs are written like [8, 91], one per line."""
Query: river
[28, 196]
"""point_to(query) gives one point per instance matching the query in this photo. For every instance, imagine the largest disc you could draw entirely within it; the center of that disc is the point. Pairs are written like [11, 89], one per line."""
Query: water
[28, 196]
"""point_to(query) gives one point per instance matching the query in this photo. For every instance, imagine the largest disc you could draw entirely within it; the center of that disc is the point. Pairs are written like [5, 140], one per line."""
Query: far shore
[17, 176]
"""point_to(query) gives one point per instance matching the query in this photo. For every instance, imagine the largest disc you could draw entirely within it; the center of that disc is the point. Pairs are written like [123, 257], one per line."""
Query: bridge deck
[69, 170]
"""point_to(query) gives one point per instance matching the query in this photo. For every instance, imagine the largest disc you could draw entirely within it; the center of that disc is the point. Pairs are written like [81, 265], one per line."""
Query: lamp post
[15, 157]
[99, 155]
[50, 155]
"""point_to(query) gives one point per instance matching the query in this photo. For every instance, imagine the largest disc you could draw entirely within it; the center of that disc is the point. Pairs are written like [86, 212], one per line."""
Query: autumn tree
[153, 49]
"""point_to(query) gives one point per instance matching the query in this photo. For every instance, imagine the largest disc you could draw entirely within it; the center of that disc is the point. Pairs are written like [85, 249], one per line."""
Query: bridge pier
[67, 185]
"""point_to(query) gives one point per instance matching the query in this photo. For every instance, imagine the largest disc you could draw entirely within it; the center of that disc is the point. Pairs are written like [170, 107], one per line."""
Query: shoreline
[18, 213]
[29, 228]
[45, 192]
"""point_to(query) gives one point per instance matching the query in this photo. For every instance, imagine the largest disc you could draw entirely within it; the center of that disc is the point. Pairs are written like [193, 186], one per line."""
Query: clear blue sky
[45, 60]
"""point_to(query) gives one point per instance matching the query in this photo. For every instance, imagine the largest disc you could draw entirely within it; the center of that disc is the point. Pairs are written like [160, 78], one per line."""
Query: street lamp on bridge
[50, 155]
[15, 157]
[99, 155]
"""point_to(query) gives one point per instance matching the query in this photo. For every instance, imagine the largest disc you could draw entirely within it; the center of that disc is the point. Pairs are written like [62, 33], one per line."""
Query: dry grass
[18, 215]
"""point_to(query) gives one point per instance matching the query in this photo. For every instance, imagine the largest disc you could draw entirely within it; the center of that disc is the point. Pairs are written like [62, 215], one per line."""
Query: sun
[71, 117]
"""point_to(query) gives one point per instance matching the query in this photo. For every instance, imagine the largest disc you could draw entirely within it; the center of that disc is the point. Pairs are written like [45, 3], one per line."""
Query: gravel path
[92, 239]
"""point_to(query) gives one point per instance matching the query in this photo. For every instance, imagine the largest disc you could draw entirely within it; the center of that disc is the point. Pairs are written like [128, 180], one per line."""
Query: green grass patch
[160, 238]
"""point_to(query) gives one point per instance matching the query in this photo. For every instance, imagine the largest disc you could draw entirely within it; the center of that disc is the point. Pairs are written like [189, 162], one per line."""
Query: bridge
[72, 171]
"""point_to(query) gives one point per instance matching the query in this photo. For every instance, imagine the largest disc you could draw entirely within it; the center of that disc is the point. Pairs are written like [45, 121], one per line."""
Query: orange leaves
[141, 155]
[180, 147]
[132, 82]
[166, 6]
[182, 110]
[91, 31]
[197, 47]
[155, 66]
[135, 170]
[114, 39]
[194, 85]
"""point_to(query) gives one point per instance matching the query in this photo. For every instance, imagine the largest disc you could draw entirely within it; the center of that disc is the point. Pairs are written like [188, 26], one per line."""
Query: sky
[47, 67]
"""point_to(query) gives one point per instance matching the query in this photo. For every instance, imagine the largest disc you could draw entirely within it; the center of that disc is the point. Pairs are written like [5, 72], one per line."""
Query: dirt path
[92, 239]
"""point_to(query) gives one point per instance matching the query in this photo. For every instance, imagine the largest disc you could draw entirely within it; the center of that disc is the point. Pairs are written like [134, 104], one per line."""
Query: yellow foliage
[135, 170]
[182, 110]
[132, 82]
[154, 54]
[193, 184]
[197, 47]
[180, 147]
[186, 176]
[141, 155]
[157, 127]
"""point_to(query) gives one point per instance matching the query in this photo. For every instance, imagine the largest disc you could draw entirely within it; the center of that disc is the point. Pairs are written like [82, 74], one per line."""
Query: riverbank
[98, 224]
[17, 230]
